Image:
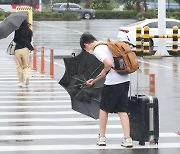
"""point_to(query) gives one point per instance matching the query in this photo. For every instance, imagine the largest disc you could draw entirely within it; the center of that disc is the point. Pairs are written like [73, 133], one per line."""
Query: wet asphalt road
[63, 37]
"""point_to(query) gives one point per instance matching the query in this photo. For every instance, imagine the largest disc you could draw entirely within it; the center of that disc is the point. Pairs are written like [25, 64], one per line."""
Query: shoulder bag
[11, 48]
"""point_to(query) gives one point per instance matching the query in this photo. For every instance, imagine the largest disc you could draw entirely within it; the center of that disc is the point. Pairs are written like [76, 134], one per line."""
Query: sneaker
[26, 81]
[127, 142]
[101, 141]
[21, 84]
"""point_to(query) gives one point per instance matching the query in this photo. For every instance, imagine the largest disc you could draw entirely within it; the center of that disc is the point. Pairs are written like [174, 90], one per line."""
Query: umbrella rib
[78, 79]
[85, 81]
[95, 70]
[80, 90]
[77, 85]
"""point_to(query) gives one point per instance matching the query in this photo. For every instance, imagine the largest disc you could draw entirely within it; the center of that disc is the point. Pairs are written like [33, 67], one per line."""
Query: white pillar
[162, 28]
[40, 5]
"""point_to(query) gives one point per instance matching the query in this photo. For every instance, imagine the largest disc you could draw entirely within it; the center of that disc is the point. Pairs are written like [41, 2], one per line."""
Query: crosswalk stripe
[82, 147]
[20, 128]
[14, 75]
[42, 78]
[40, 113]
[35, 92]
[36, 101]
[31, 87]
[37, 107]
[54, 119]
[25, 96]
[72, 136]
[36, 81]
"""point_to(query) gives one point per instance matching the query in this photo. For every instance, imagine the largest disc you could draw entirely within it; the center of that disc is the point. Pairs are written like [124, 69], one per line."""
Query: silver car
[72, 7]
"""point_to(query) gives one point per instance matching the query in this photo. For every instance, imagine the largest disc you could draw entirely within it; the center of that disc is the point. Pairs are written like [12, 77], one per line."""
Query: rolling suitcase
[144, 118]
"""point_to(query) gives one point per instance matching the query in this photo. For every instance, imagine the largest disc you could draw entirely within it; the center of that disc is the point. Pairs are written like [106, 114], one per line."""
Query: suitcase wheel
[153, 142]
[141, 143]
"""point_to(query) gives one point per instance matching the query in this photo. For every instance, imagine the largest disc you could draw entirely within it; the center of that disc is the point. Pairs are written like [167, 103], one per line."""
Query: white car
[153, 25]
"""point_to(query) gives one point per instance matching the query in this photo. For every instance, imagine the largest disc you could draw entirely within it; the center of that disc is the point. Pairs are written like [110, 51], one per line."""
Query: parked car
[153, 25]
[72, 7]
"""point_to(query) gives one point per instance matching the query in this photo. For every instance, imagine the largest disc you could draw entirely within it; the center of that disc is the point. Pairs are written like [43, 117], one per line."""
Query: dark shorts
[114, 98]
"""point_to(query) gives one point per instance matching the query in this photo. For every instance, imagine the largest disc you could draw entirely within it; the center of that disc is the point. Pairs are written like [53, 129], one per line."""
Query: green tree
[32, 4]
[138, 6]
[88, 4]
[102, 4]
[178, 1]
[128, 4]
[66, 1]
[74, 1]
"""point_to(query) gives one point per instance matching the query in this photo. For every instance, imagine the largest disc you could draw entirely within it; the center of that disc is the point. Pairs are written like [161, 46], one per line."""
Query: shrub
[106, 14]
[146, 15]
[55, 16]
[175, 15]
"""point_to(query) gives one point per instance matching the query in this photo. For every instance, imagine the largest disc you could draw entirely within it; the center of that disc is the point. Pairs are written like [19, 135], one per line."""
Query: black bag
[11, 48]
[144, 119]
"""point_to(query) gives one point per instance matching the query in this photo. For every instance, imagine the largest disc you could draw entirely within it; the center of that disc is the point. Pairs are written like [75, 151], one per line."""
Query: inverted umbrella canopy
[79, 69]
[12, 23]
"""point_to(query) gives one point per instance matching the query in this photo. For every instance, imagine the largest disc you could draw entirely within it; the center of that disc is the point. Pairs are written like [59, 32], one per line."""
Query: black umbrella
[12, 23]
[79, 69]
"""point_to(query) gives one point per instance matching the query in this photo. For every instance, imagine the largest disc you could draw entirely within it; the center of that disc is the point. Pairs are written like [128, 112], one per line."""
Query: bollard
[51, 63]
[146, 39]
[34, 59]
[152, 84]
[138, 41]
[42, 60]
[175, 40]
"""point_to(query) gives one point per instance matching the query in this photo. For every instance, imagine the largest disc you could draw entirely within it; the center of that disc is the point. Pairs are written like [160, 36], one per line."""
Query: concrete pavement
[39, 119]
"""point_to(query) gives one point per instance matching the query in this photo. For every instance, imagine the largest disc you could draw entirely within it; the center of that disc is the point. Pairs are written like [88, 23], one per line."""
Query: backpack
[125, 60]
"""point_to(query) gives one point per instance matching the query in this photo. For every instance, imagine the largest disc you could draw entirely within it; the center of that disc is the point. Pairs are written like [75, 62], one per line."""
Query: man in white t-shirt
[115, 91]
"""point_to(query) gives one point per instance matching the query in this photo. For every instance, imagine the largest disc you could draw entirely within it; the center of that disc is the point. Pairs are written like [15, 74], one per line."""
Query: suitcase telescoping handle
[151, 120]
[137, 86]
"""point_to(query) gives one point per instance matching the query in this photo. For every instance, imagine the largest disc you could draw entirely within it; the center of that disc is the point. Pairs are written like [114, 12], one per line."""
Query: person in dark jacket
[22, 38]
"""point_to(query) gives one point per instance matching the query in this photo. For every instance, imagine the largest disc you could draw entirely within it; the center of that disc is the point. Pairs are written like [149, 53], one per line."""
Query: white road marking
[71, 136]
[34, 92]
[36, 81]
[40, 113]
[87, 127]
[167, 67]
[21, 95]
[54, 119]
[32, 78]
[36, 107]
[36, 101]
[82, 147]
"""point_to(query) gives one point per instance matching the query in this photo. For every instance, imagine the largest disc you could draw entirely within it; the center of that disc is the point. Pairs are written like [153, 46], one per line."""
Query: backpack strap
[104, 43]
[100, 43]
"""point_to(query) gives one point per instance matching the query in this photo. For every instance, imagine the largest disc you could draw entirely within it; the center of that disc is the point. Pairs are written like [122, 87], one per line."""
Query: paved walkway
[39, 119]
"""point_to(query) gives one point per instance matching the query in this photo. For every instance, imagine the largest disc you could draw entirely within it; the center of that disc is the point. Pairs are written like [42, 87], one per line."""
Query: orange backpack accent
[125, 60]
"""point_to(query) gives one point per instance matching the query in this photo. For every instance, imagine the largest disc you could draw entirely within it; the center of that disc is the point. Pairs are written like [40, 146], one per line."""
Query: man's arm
[107, 66]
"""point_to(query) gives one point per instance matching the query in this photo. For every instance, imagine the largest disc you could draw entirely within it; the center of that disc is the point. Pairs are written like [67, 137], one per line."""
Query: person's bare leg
[103, 117]
[125, 123]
